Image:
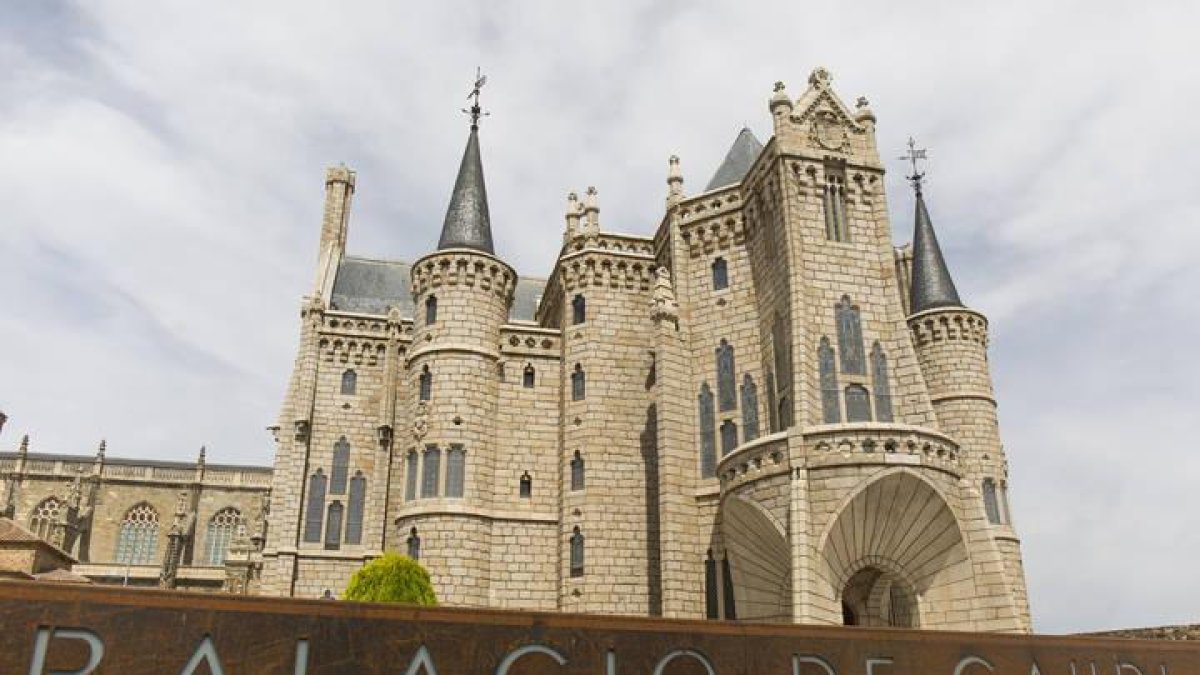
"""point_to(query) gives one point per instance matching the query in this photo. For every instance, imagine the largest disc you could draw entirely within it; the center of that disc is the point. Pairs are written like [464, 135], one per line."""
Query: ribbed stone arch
[901, 524]
[760, 561]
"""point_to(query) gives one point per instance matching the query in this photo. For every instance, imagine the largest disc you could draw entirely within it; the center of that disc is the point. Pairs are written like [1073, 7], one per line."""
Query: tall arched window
[525, 489]
[729, 437]
[989, 501]
[433, 466]
[333, 527]
[225, 526]
[137, 540]
[431, 310]
[858, 404]
[44, 516]
[711, 608]
[879, 379]
[341, 467]
[834, 201]
[355, 507]
[577, 471]
[413, 544]
[349, 382]
[456, 470]
[708, 433]
[720, 274]
[726, 377]
[316, 506]
[831, 409]
[1005, 514]
[772, 407]
[410, 476]
[576, 552]
[578, 384]
[426, 384]
[749, 408]
[781, 345]
[578, 310]
[850, 341]
[527, 379]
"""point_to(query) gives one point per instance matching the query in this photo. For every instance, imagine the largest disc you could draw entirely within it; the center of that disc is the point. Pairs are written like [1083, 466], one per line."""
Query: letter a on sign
[422, 662]
[205, 652]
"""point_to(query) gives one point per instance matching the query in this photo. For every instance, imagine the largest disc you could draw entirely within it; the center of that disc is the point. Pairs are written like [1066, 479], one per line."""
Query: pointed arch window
[729, 437]
[708, 433]
[578, 310]
[349, 382]
[850, 341]
[858, 404]
[44, 516]
[355, 507]
[341, 467]
[834, 202]
[831, 409]
[456, 471]
[433, 466]
[781, 346]
[711, 607]
[749, 408]
[726, 377]
[431, 310]
[316, 506]
[224, 527]
[879, 379]
[410, 476]
[426, 384]
[1005, 514]
[772, 407]
[333, 526]
[577, 475]
[720, 274]
[137, 539]
[529, 376]
[413, 544]
[989, 501]
[525, 488]
[578, 384]
[576, 552]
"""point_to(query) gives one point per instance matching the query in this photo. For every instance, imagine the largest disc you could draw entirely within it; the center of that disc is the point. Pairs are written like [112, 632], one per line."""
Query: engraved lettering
[684, 653]
[422, 660]
[515, 654]
[968, 661]
[301, 657]
[797, 659]
[878, 661]
[1123, 665]
[207, 652]
[41, 647]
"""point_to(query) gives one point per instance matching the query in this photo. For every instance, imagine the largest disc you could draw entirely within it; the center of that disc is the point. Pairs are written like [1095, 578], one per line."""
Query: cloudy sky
[161, 181]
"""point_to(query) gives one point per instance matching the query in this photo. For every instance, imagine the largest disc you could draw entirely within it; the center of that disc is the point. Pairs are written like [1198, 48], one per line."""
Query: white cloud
[161, 175]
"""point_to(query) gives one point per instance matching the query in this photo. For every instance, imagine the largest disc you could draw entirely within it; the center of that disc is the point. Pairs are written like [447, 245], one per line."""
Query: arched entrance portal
[873, 597]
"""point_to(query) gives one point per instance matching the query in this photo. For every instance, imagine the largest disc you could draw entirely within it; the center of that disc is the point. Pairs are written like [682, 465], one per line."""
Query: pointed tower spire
[467, 223]
[932, 286]
[738, 160]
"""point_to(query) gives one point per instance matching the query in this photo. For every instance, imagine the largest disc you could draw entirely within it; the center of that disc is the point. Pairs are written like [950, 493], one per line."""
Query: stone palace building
[764, 411]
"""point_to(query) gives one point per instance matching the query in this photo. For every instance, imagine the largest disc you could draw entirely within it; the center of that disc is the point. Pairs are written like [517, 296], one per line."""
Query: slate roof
[12, 533]
[374, 286]
[738, 160]
[467, 223]
[932, 286]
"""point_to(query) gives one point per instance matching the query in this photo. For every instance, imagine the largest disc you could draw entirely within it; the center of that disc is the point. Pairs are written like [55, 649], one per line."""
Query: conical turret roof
[932, 286]
[467, 223]
[738, 160]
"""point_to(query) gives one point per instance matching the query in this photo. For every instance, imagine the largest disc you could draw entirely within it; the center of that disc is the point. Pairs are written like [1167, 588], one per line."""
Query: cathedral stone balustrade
[874, 443]
[754, 461]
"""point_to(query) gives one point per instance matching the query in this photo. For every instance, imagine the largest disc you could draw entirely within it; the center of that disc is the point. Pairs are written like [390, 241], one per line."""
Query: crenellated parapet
[463, 267]
[611, 241]
[719, 232]
[612, 269]
[949, 325]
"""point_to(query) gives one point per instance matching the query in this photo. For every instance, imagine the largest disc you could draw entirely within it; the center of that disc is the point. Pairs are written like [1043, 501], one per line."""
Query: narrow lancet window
[711, 608]
[577, 475]
[729, 437]
[527, 380]
[749, 408]
[349, 383]
[578, 384]
[316, 507]
[431, 310]
[831, 410]
[727, 588]
[726, 377]
[341, 467]
[525, 489]
[333, 527]
[772, 407]
[720, 274]
[354, 512]
[989, 501]
[708, 433]
[1005, 514]
[858, 404]
[433, 466]
[834, 202]
[576, 552]
[883, 389]
[578, 310]
[426, 384]
[456, 470]
[410, 476]
[414, 544]
[850, 341]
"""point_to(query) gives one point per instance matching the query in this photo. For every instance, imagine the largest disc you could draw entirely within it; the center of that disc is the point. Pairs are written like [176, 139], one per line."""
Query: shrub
[392, 578]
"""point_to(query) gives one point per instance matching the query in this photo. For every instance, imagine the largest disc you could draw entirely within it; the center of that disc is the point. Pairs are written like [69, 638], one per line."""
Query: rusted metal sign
[62, 630]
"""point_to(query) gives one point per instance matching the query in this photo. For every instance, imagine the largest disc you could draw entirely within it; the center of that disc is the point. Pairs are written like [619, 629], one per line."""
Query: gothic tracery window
[137, 539]
[708, 433]
[879, 379]
[341, 467]
[831, 412]
[44, 516]
[726, 377]
[749, 408]
[850, 341]
[224, 527]
[333, 526]
[355, 507]
[316, 506]
[834, 203]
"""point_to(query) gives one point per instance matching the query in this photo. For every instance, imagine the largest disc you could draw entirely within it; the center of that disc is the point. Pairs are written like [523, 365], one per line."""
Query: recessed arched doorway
[875, 597]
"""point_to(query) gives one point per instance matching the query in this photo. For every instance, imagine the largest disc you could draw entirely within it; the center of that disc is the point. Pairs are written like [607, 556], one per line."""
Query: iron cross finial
[475, 111]
[913, 155]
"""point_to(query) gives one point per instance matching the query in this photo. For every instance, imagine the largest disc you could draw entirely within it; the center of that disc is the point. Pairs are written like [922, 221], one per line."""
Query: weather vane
[914, 154]
[475, 111]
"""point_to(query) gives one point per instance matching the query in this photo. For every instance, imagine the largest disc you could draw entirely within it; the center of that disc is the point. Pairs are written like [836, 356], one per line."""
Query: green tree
[392, 578]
